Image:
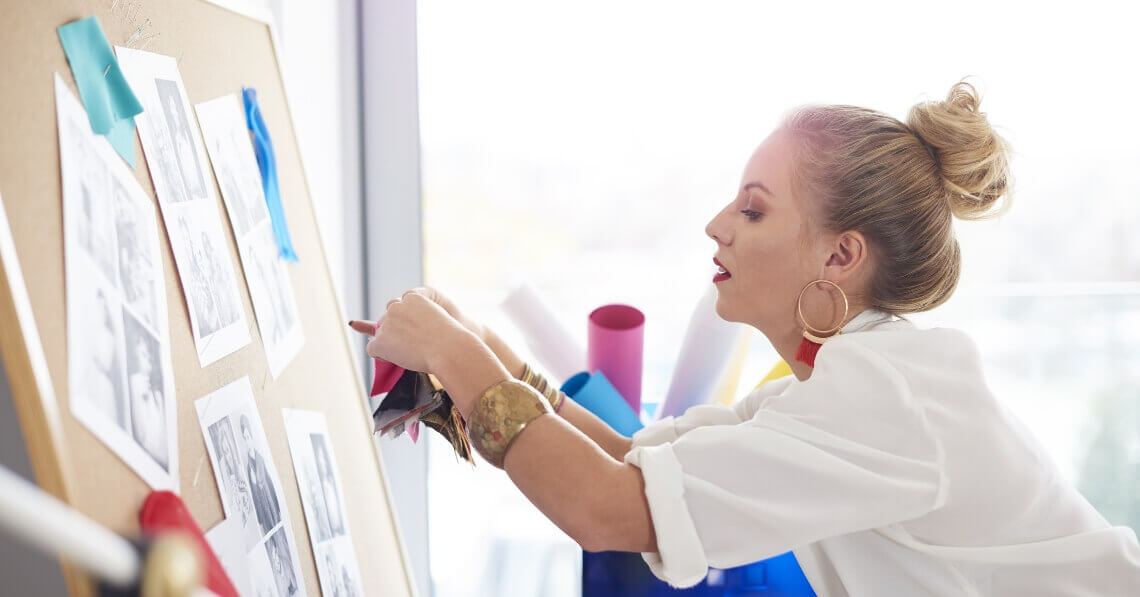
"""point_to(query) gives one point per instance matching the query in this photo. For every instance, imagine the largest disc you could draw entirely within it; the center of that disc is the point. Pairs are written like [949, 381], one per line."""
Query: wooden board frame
[219, 51]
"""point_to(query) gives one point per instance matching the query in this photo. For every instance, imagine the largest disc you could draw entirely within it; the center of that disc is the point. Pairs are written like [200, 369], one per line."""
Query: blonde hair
[900, 184]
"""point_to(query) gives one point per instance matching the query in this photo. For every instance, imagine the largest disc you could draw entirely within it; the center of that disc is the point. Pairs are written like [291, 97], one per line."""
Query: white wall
[310, 35]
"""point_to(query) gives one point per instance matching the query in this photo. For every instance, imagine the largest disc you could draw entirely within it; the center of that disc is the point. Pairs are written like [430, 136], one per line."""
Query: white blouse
[893, 470]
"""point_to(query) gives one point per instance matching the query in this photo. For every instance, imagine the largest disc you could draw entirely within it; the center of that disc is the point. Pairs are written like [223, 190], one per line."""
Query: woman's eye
[751, 214]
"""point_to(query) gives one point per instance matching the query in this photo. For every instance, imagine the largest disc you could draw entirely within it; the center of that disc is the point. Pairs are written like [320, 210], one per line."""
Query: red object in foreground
[164, 511]
[387, 374]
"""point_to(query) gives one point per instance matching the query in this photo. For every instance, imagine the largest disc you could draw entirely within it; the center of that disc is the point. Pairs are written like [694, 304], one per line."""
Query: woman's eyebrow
[757, 185]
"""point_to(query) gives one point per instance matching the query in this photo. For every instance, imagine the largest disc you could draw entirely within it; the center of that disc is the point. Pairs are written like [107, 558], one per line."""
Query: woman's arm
[596, 499]
[612, 442]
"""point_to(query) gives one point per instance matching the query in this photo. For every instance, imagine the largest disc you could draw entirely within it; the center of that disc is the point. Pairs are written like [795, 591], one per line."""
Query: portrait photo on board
[267, 276]
[208, 279]
[237, 502]
[120, 381]
[180, 164]
[137, 272]
[146, 389]
[280, 562]
[322, 499]
[177, 163]
[250, 489]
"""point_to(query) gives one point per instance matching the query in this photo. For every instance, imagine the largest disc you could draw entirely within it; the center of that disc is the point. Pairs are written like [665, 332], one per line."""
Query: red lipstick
[720, 277]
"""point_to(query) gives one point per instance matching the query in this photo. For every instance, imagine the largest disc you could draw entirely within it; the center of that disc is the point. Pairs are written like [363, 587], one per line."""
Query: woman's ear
[849, 254]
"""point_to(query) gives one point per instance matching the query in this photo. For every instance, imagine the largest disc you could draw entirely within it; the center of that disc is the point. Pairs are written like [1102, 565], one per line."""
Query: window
[581, 147]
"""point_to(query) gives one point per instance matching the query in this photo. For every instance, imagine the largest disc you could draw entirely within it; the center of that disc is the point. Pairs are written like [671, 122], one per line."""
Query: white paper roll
[708, 344]
[54, 528]
[725, 391]
[550, 341]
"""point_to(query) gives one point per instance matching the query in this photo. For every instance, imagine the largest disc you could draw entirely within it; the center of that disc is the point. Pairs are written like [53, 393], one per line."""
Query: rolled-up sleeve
[844, 451]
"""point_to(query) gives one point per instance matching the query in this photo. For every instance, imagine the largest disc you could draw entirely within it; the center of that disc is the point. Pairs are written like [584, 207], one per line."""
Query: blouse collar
[869, 318]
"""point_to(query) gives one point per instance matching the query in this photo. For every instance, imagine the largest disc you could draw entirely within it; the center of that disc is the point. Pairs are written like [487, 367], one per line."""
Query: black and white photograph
[120, 381]
[330, 565]
[104, 388]
[187, 169]
[265, 501]
[243, 466]
[270, 279]
[146, 389]
[241, 185]
[322, 499]
[207, 279]
[137, 271]
[266, 273]
[95, 228]
[281, 564]
[176, 159]
[329, 488]
[237, 500]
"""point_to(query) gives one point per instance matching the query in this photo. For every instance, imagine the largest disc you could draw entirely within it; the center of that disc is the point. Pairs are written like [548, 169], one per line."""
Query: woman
[884, 462]
[148, 418]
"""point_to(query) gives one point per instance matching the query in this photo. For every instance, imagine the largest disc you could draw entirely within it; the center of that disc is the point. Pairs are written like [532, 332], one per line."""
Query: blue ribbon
[267, 164]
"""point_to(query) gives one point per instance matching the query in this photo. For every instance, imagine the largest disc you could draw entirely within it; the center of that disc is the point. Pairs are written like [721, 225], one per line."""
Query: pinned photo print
[138, 275]
[249, 487]
[266, 273]
[120, 382]
[146, 389]
[180, 164]
[176, 159]
[322, 498]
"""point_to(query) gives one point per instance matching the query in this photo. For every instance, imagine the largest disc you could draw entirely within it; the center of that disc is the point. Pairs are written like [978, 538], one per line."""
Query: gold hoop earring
[815, 337]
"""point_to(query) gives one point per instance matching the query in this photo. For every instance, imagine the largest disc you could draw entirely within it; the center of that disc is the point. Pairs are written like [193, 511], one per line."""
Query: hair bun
[972, 158]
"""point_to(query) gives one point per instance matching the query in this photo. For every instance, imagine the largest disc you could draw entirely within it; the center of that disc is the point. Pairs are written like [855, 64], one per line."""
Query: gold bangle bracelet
[527, 375]
[552, 394]
[557, 401]
[500, 415]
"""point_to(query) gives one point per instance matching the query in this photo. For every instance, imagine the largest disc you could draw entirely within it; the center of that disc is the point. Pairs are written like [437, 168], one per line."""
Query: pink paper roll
[616, 337]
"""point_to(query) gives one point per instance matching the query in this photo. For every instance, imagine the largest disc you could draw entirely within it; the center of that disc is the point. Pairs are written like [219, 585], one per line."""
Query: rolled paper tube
[549, 341]
[705, 350]
[595, 393]
[616, 338]
[780, 369]
[725, 392]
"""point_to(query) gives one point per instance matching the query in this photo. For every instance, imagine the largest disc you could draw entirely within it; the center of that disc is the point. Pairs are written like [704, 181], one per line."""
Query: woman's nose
[714, 230]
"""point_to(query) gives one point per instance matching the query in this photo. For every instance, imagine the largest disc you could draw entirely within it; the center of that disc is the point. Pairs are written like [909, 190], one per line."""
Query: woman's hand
[438, 298]
[508, 357]
[414, 332]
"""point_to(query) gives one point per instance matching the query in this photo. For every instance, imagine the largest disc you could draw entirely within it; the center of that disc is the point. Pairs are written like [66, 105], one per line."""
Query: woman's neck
[787, 343]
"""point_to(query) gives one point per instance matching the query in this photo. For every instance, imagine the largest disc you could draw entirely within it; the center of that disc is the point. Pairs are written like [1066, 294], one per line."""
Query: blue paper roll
[596, 394]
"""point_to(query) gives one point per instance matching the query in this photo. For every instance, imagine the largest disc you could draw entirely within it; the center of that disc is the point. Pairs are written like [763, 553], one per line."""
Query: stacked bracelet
[501, 413]
[552, 394]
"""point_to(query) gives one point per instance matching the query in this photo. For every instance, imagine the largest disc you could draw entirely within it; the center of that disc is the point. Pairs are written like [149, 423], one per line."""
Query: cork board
[218, 52]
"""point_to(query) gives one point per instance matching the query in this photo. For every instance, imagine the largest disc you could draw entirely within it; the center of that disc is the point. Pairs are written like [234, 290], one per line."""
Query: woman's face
[766, 243]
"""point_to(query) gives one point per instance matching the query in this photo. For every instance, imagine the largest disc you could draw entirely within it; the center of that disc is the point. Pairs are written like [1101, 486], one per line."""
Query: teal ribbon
[110, 103]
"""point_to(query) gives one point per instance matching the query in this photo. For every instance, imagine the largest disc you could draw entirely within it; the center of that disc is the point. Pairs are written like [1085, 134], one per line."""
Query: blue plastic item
[595, 393]
[625, 574]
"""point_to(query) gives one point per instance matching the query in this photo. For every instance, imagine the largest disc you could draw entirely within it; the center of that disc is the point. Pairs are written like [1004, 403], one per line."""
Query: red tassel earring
[813, 337]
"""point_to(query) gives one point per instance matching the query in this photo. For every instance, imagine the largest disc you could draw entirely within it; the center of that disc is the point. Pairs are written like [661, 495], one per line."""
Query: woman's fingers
[368, 328]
